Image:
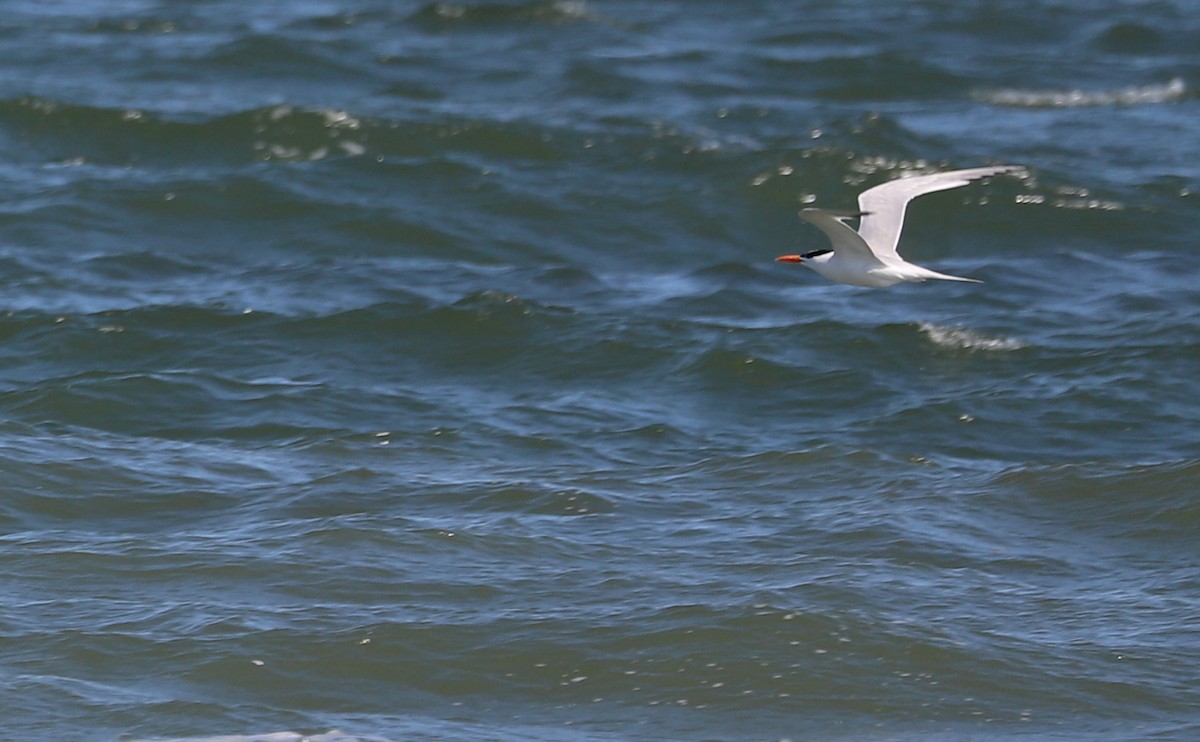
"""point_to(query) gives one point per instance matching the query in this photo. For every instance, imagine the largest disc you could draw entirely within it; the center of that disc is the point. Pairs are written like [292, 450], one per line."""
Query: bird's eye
[815, 253]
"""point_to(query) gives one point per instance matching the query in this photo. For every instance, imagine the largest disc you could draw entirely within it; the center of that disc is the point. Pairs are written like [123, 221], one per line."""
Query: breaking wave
[332, 736]
[965, 339]
[1169, 92]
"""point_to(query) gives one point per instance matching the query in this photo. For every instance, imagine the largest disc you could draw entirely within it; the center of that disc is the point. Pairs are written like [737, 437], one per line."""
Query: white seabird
[868, 257]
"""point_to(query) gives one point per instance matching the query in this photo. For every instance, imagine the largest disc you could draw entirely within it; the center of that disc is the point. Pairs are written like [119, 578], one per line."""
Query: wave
[1163, 510]
[542, 11]
[81, 134]
[1170, 92]
[961, 338]
[330, 736]
[75, 134]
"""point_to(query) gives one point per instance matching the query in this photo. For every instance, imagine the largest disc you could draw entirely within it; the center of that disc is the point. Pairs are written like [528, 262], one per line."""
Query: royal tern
[868, 257]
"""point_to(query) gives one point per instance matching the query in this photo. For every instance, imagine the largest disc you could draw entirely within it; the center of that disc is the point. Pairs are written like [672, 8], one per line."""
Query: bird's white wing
[843, 237]
[884, 204]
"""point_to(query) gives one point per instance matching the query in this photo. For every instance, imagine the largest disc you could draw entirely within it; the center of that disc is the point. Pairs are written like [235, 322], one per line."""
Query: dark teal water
[389, 371]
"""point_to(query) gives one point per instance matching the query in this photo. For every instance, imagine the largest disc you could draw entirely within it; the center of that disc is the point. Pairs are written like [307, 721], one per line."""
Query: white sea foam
[331, 736]
[1169, 92]
[965, 339]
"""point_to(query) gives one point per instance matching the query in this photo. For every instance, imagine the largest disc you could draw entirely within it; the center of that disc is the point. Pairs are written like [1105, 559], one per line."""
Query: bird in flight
[868, 257]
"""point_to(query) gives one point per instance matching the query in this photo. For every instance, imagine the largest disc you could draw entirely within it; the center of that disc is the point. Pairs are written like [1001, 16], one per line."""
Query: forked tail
[926, 273]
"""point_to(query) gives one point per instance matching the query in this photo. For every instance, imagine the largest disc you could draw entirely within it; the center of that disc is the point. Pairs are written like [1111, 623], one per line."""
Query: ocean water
[385, 371]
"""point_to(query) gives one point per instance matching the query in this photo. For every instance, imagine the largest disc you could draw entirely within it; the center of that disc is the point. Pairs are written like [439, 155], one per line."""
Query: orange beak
[789, 259]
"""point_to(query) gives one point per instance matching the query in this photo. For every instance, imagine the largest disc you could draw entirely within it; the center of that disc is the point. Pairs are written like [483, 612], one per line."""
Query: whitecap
[966, 339]
[331, 736]
[1169, 92]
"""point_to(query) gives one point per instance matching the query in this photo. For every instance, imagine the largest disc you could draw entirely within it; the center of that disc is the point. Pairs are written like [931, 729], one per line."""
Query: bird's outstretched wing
[883, 206]
[844, 239]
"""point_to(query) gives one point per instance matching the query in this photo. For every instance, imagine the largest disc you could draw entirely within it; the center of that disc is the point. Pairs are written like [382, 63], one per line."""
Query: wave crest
[962, 338]
[1169, 92]
[544, 11]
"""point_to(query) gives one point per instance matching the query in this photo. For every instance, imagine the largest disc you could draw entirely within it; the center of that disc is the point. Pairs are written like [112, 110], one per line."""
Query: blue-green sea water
[422, 371]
